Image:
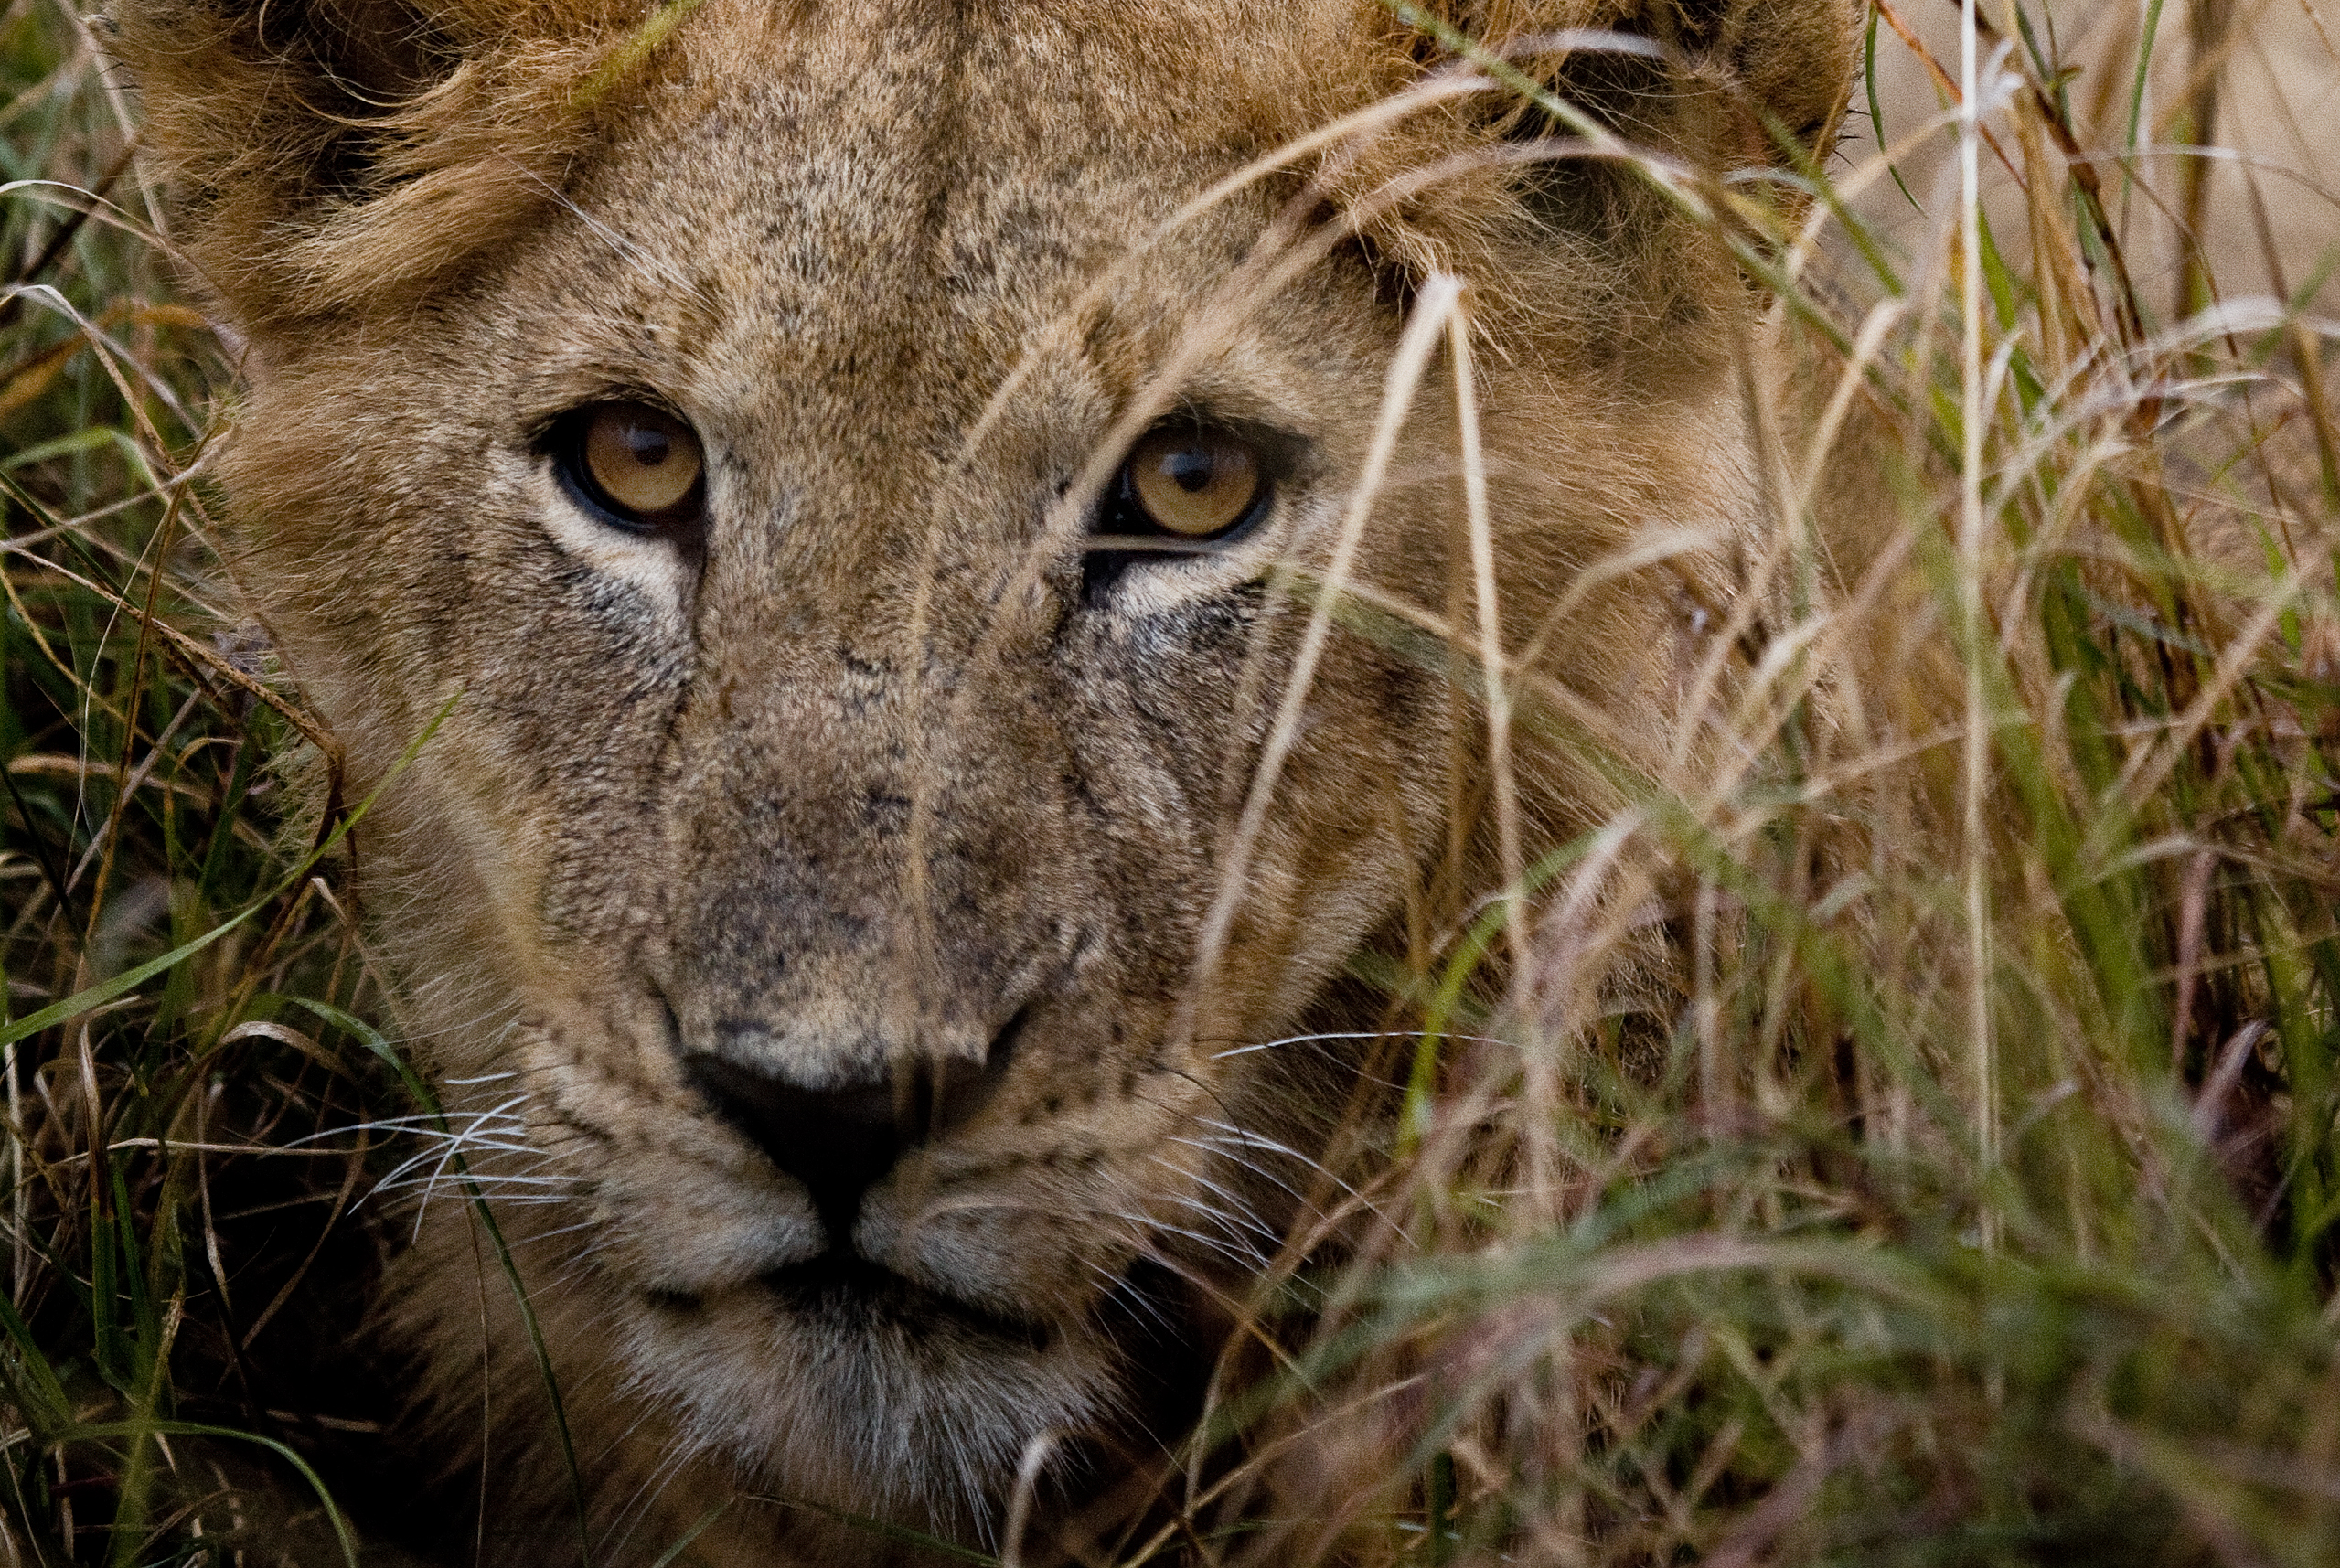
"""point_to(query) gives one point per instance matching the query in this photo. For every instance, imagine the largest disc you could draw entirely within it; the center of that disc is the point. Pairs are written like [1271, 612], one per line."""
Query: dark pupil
[650, 446]
[1189, 469]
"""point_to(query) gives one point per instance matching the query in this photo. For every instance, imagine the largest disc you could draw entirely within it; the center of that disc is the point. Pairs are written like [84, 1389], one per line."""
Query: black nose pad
[836, 1141]
[840, 1141]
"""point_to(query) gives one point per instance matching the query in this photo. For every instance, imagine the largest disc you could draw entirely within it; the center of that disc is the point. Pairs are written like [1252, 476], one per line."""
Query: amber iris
[643, 464]
[1194, 484]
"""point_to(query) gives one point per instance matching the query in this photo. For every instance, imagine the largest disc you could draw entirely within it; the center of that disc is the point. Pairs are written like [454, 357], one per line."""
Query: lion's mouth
[850, 1291]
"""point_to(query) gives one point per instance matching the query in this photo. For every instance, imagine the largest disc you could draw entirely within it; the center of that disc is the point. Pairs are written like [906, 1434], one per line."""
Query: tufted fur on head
[892, 795]
[329, 151]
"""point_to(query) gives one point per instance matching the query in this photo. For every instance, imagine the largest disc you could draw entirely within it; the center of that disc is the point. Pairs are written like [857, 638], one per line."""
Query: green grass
[137, 729]
[1972, 1198]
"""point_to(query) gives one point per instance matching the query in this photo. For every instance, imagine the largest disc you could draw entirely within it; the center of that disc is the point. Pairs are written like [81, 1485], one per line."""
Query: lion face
[862, 533]
[849, 841]
[860, 917]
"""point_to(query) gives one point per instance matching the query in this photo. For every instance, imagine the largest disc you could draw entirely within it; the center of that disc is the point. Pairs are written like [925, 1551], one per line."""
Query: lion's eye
[638, 467]
[1192, 483]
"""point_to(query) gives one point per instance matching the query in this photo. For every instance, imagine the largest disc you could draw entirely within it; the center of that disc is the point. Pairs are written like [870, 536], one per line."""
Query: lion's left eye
[1190, 483]
[636, 467]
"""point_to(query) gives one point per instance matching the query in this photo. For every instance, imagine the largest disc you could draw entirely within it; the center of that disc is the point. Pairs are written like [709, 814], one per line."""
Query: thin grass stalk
[1975, 870]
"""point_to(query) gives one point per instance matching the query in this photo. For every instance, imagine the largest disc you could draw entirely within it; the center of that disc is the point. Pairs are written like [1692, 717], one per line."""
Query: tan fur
[875, 776]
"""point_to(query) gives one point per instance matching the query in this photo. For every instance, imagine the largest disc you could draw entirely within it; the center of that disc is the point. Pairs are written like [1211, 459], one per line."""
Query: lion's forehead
[897, 175]
[1028, 81]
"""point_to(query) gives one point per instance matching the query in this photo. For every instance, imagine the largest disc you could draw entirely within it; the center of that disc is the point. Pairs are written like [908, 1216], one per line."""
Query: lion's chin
[837, 1383]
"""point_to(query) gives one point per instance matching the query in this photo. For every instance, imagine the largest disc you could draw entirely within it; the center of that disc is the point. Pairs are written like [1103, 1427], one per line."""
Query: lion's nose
[839, 1140]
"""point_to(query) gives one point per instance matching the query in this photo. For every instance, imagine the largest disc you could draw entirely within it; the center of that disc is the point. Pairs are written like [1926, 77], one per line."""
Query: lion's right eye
[634, 466]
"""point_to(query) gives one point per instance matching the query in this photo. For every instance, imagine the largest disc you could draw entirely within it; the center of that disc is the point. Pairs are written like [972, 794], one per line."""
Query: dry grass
[1972, 1199]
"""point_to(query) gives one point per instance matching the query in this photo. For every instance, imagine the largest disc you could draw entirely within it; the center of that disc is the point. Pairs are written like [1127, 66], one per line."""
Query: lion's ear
[1723, 82]
[1786, 67]
[1568, 242]
[329, 150]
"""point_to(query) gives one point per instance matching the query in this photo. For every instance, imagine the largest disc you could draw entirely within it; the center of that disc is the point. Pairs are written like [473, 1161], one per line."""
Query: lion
[823, 532]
